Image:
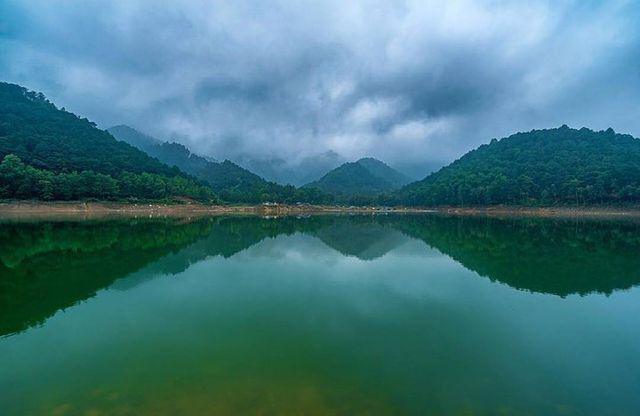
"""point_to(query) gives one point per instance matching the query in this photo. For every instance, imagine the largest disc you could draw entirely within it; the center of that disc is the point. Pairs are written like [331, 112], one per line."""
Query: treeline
[21, 181]
[286, 194]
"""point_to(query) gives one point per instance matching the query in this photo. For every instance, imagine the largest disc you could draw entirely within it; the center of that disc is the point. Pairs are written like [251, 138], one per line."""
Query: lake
[323, 315]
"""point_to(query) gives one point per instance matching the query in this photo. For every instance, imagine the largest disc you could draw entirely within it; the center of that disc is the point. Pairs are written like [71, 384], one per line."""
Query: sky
[414, 83]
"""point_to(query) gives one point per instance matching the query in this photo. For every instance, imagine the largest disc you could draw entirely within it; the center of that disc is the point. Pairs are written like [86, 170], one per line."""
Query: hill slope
[384, 171]
[230, 181]
[53, 154]
[134, 138]
[541, 167]
[366, 176]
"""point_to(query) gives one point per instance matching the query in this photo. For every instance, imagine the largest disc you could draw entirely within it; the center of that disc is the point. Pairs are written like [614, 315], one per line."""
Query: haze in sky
[414, 83]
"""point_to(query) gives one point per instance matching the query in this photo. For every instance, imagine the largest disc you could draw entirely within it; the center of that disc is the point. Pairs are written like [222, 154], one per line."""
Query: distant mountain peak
[366, 176]
[369, 159]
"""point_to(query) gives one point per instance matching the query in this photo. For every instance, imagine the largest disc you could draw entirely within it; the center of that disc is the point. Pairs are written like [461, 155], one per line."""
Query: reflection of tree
[48, 266]
[45, 267]
[539, 255]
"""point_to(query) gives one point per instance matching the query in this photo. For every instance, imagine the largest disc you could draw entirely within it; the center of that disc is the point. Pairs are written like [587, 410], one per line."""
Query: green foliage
[543, 167]
[21, 181]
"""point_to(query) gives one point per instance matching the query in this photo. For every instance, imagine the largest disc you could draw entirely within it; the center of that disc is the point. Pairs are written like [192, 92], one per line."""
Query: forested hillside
[49, 153]
[228, 180]
[560, 166]
[366, 177]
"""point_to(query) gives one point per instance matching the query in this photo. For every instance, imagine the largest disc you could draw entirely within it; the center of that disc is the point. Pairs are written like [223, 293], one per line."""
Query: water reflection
[322, 315]
[45, 267]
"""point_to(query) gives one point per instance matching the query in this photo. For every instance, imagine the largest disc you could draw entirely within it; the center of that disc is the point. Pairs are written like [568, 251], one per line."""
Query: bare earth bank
[34, 210]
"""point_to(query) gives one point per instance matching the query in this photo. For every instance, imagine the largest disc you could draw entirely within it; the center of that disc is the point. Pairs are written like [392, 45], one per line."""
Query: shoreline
[543, 212]
[34, 210]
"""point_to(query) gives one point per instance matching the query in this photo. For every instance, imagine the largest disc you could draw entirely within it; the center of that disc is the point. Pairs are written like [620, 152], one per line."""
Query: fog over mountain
[413, 83]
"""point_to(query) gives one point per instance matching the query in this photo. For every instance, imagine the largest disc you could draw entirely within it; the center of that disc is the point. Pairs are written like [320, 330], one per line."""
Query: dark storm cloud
[415, 83]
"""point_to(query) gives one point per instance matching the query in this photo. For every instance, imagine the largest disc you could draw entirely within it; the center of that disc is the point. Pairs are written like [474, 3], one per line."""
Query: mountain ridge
[229, 180]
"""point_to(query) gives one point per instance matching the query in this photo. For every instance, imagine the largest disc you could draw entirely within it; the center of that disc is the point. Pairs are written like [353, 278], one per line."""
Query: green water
[330, 315]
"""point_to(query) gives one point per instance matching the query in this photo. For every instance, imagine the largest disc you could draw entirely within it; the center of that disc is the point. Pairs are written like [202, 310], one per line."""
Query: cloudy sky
[415, 83]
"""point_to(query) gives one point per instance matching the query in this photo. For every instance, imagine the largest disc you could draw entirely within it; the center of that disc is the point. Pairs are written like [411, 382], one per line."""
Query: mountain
[540, 167]
[295, 173]
[366, 176]
[228, 180]
[173, 154]
[49, 153]
[134, 138]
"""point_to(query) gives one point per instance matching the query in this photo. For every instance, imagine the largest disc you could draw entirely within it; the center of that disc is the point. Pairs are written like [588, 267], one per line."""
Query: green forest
[21, 181]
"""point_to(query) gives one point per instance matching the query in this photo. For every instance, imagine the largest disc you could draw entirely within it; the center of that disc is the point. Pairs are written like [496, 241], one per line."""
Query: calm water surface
[388, 315]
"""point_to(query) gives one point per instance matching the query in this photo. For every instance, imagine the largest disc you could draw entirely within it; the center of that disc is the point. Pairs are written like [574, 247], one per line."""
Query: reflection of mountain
[45, 267]
[538, 255]
[367, 240]
[363, 237]
[227, 236]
